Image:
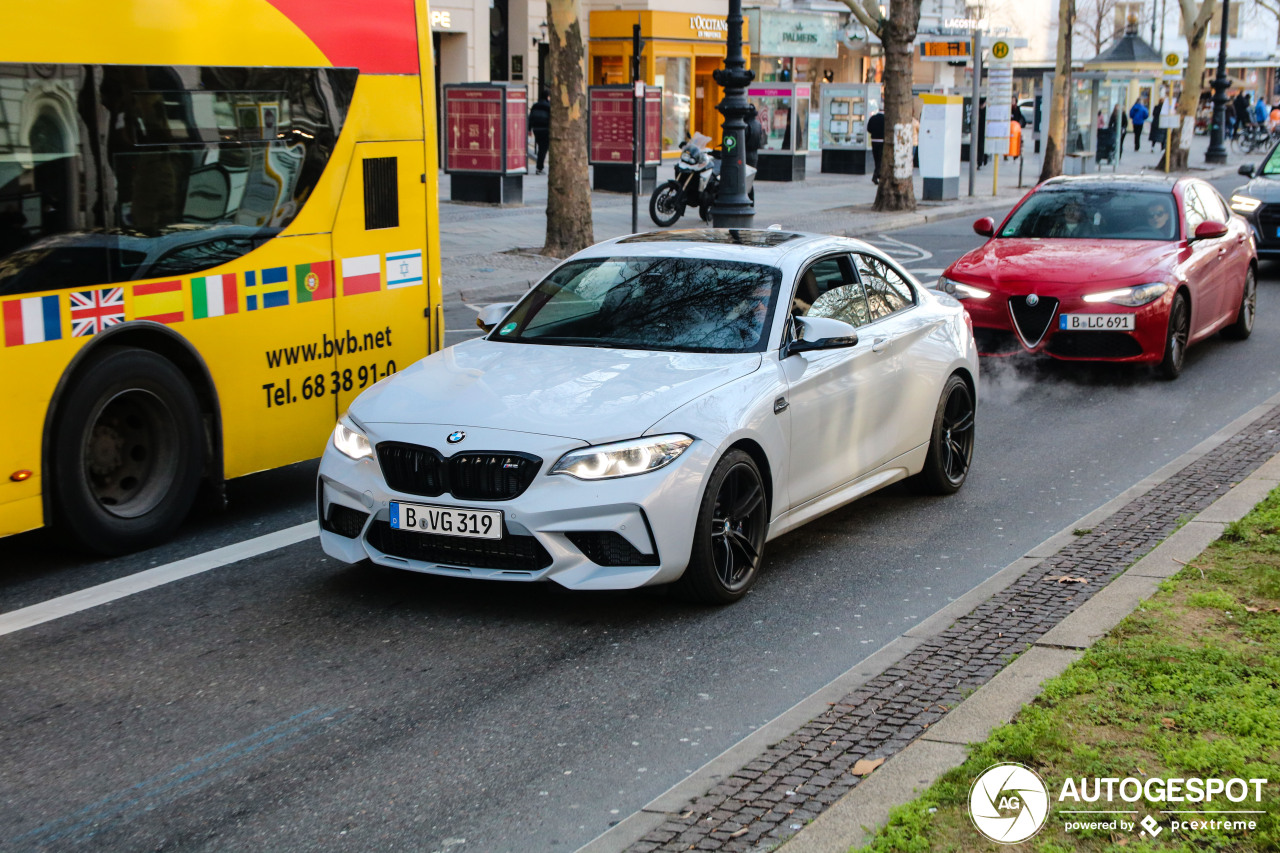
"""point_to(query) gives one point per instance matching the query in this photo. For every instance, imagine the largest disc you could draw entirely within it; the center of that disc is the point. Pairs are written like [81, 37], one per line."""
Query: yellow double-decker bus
[217, 226]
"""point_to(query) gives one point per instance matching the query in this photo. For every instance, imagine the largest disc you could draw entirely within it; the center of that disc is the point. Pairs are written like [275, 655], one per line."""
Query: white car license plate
[1096, 322]
[446, 520]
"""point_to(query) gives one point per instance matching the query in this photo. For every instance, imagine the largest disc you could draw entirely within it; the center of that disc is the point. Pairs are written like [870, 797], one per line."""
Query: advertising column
[485, 147]
[610, 111]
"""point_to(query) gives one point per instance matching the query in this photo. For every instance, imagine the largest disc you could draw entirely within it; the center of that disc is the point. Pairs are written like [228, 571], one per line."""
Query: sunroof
[728, 236]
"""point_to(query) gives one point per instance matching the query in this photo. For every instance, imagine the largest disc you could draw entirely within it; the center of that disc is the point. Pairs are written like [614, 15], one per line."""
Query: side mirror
[491, 315]
[1210, 230]
[1248, 170]
[985, 227]
[817, 333]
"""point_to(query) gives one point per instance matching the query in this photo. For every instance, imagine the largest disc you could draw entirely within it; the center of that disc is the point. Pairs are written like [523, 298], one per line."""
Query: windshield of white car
[1111, 214]
[651, 303]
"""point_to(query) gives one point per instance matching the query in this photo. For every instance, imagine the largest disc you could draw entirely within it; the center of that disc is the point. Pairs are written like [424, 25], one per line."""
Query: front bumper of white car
[619, 533]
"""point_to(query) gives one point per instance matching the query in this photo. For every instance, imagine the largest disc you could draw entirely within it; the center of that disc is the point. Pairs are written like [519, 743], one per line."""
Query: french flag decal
[32, 320]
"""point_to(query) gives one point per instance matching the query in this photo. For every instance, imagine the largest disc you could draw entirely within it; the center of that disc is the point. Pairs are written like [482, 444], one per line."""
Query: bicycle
[1252, 137]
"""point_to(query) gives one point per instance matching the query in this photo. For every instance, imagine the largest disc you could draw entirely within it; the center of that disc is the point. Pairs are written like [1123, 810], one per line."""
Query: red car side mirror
[986, 227]
[1209, 230]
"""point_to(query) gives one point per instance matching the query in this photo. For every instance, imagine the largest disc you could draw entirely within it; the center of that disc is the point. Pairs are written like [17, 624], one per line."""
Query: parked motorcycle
[696, 184]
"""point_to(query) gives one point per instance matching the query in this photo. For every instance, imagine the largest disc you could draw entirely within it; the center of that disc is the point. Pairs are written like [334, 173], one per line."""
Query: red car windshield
[1111, 214]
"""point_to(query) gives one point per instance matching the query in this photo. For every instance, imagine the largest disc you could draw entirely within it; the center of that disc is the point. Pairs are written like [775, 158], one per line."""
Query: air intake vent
[345, 521]
[1032, 321]
[609, 548]
[510, 553]
[381, 197]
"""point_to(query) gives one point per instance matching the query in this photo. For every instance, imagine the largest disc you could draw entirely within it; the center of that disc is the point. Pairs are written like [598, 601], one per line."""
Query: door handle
[780, 405]
[879, 344]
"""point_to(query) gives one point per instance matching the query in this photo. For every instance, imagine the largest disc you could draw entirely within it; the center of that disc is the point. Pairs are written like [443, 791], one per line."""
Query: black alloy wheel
[950, 455]
[666, 205]
[728, 542]
[1243, 325]
[1175, 342]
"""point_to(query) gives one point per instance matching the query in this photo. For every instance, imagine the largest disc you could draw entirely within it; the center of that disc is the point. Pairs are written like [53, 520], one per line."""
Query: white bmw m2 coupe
[654, 411]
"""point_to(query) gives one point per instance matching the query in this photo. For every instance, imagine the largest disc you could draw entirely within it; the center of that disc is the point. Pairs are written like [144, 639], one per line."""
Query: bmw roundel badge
[1032, 300]
[456, 436]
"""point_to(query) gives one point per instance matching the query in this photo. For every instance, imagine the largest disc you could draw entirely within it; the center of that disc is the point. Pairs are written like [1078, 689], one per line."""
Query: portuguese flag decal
[315, 281]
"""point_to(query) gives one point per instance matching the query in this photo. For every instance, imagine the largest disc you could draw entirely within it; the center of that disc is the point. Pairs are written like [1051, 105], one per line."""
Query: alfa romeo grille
[1032, 321]
[485, 475]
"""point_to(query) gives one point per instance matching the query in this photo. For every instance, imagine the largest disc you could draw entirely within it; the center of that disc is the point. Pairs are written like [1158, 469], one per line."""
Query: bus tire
[128, 452]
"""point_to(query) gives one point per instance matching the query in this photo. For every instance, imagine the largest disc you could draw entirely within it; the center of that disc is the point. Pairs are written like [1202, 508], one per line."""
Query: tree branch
[868, 14]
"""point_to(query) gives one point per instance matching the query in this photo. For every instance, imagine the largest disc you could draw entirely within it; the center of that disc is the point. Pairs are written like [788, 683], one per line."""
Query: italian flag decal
[213, 296]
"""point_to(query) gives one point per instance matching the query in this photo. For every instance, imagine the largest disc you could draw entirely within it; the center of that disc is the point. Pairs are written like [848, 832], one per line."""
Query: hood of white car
[585, 393]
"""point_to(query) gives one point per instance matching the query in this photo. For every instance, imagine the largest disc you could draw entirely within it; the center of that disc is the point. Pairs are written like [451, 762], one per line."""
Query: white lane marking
[906, 248]
[65, 605]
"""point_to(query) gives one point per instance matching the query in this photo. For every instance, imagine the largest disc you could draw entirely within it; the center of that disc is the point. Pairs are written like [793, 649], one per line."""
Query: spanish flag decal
[160, 302]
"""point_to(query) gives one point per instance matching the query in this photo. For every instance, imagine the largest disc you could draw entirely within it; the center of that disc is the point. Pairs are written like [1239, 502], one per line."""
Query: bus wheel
[128, 452]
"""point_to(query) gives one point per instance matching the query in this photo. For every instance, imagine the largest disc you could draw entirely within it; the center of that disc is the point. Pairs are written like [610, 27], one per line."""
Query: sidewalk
[481, 244]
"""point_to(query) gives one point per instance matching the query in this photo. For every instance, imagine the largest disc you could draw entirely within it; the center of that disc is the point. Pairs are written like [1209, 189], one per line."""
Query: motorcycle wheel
[666, 205]
[708, 199]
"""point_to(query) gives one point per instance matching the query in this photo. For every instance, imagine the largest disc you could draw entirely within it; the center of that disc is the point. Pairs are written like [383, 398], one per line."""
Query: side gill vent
[381, 197]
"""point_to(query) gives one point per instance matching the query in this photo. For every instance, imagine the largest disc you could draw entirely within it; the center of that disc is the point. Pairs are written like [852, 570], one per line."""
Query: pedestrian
[755, 133]
[1244, 112]
[1157, 138]
[875, 130]
[1138, 115]
[540, 126]
[1273, 120]
[1260, 112]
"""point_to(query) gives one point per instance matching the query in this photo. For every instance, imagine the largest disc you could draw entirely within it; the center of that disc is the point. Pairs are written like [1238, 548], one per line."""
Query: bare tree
[1054, 145]
[1273, 7]
[1095, 24]
[569, 226]
[1195, 27]
[897, 33]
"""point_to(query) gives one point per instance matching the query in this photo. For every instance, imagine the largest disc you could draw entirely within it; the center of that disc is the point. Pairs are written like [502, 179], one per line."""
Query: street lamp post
[1217, 152]
[733, 209]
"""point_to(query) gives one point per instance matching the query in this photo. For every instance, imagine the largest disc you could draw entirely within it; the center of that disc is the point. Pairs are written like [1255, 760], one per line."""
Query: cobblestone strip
[772, 797]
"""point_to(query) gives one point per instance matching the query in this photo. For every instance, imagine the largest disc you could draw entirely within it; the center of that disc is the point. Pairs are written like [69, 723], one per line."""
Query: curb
[845, 822]
[853, 820]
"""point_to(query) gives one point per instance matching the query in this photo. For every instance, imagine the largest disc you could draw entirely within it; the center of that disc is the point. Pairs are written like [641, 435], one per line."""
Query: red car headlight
[1130, 297]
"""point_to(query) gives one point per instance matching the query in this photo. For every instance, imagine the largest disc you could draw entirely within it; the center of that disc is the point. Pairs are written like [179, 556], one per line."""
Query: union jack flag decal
[93, 311]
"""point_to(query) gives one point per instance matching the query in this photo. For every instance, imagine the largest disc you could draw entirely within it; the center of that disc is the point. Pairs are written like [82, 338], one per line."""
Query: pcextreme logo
[1009, 803]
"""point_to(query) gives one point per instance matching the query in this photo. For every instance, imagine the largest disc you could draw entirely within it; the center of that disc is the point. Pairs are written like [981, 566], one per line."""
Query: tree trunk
[1055, 145]
[569, 227]
[896, 190]
[1180, 141]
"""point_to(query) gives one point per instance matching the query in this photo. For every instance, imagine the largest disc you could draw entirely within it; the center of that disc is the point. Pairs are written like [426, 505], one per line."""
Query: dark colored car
[1259, 202]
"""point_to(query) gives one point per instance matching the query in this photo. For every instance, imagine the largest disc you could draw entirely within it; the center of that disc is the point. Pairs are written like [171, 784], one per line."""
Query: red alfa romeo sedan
[1103, 268]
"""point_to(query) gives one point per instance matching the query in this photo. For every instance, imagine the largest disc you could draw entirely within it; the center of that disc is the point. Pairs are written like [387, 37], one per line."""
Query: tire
[728, 549]
[1243, 325]
[128, 452]
[1175, 339]
[946, 466]
[666, 205]
[708, 199]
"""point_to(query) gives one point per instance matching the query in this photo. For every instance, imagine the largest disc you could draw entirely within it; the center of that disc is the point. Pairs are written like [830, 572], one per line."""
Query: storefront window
[674, 75]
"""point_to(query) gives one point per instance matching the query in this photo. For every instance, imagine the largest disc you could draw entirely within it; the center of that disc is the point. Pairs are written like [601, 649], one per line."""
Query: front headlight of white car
[1130, 297]
[1244, 204]
[623, 458]
[350, 441]
[960, 290]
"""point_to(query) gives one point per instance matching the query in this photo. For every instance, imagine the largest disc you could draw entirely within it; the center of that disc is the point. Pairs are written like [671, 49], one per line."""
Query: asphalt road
[288, 702]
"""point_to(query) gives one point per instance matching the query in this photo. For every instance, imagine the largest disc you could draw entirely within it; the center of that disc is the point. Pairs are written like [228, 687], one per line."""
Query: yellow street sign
[1000, 50]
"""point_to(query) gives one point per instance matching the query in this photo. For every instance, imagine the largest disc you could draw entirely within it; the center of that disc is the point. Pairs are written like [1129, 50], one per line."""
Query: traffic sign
[1000, 50]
